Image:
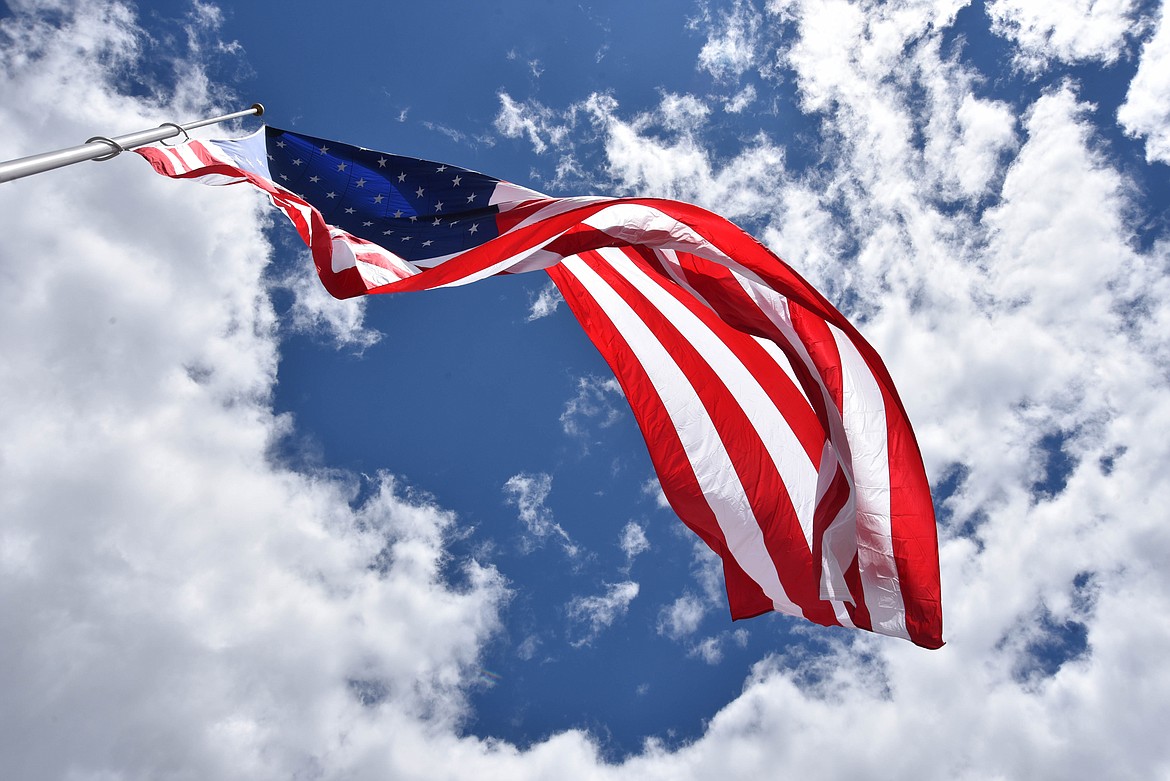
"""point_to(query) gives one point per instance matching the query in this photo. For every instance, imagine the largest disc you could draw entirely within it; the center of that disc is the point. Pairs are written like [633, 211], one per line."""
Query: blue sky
[247, 531]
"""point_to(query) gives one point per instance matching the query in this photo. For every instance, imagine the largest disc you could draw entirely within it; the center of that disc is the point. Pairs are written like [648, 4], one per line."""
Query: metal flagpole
[102, 148]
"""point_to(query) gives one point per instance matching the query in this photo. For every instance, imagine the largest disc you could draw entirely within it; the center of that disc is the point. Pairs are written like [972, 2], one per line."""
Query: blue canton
[415, 208]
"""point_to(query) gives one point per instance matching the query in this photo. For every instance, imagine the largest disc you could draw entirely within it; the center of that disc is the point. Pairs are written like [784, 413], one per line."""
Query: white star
[427, 243]
[471, 198]
[298, 161]
[381, 162]
[324, 149]
[456, 180]
[280, 143]
[330, 195]
[314, 179]
[284, 177]
[406, 238]
[350, 210]
[414, 218]
[361, 183]
[398, 214]
[402, 177]
[437, 221]
[367, 223]
[379, 198]
[439, 206]
[341, 166]
[418, 193]
[270, 157]
[387, 232]
[440, 169]
[474, 227]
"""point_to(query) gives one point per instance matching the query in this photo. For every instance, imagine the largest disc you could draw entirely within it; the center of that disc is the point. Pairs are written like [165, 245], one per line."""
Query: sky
[247, 531]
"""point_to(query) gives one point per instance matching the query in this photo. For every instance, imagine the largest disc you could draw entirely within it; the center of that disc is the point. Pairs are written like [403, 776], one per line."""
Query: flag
[773, 426]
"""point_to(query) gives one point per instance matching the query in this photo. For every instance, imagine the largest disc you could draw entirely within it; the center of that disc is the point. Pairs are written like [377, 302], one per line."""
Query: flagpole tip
[258, 108]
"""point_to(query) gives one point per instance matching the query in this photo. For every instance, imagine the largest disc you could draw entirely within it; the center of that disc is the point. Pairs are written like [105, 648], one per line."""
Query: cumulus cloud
[681, 617]
[173, 603]
[730, 49]
[528, 493]
[597, 613]
[598, 400]
[545, 303]
[1146, 111]
[541, 125]
[1069, 32]
[316, 312]
[740, 100]
[633, 541]
[653, 488]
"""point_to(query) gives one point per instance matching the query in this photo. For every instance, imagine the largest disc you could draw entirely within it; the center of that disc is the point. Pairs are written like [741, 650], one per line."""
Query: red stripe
[914, 531]
[158, 159]
[858, 612]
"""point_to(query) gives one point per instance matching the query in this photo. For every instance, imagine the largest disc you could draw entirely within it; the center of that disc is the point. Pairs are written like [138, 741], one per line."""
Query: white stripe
[797, 472]
[502, 265]
[506, 192]
[187, 160]
[781, 358]
[842, 615]
[839, 539]
[669, 260]
[864, 416]
[700, 439]
[636, 223]
[376, 275]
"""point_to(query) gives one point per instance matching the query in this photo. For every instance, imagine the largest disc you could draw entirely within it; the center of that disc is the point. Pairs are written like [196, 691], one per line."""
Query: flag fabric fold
[775, 429]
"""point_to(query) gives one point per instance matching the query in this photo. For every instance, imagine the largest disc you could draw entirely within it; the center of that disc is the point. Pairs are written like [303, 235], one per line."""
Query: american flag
[774, 427]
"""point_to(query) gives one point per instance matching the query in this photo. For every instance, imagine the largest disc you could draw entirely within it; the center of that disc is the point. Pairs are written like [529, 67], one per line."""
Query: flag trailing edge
[774, 428]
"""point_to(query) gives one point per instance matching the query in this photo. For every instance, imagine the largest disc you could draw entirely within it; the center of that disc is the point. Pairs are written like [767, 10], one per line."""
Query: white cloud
[654, 489]
[709, 649]
[730, 49]
[681, 617]
[661, 153]
[542, 126]
[634, 541]
[173, 603]
[528, 493]
[1071, 31]
[741, 100]
[598, 400]
[599, 612]
[1146, 111]
[314, 311]
[545, 302]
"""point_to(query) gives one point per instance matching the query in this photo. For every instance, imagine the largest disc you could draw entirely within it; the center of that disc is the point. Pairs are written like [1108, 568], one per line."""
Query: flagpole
[103, 148]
